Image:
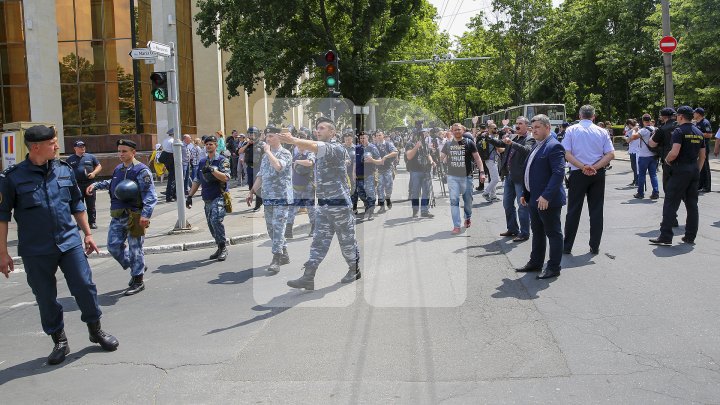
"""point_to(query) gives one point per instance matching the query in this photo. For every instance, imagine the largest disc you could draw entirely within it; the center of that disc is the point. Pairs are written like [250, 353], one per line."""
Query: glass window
[65, 18]
[118, 61]
[121, 14]
[92, 104]
[70, 103]
[11, 17]
[67, 59]
[12, 64]
[16, 102]
[91, 61]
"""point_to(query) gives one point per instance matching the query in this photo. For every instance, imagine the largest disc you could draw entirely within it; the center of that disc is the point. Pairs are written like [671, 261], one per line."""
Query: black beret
[686, 111]
[39, 133]
[127, 142]
[210, 138]
[323, 119]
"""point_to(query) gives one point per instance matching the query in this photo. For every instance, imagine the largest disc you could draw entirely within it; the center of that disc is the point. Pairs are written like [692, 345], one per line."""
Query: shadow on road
[524, 288]
[39, 366]
[429, 238]
[185, 266]
[573, 262]
[671, 251]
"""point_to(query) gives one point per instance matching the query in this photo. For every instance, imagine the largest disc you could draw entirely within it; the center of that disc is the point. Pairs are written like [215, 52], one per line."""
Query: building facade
[94, 91]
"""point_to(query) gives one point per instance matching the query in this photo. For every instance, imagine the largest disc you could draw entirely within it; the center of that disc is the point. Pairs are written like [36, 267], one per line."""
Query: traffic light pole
[667, 58]
[181, 224]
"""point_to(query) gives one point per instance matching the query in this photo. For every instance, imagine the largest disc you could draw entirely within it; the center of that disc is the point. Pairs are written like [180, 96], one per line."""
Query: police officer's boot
[382, 207]
[215, 255]
[307, 281]
[61, 348]
[284, 257]
[107, 341]
[288, 231]
[370, 214]
[389, 203]
[275, 263]
[352, 274]
[136, 286]
[223, 253]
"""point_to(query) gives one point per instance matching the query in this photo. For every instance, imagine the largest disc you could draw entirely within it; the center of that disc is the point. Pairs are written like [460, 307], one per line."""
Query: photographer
[419, 162]
[491, 167]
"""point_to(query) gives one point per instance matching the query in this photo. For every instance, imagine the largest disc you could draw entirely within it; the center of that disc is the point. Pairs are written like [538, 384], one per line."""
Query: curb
[183, 247]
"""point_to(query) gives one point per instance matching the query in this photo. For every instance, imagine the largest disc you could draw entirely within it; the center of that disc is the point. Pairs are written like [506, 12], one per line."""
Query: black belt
[334, 202]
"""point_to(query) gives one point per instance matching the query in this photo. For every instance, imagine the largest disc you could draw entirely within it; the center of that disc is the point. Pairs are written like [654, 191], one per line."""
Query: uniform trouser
[579, 186]
[458, 186]
[365, 190]
[233, 166]
[170, 167]
[187, 177]
[304, 198]
[546, 227]
[89, 201]
[130, 255]
[682, 186]
[511, 194]
[647, 164]
[633, 166]
[491, 166]
[40, 272]
[330, 220]
[420, 191]
[275, 220]
[385, 185]
[704, 182]
[215, 214]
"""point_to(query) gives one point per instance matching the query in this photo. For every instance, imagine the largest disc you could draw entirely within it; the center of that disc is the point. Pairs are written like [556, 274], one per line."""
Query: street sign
[668, 44]
[142, 53]
[160, 49]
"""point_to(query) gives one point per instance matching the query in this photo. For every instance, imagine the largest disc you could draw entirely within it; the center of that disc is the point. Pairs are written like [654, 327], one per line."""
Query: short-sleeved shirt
[332, 184]
[421, 161]
[385, 148]
[587, 142]
[691, 140]
[82, 165]
[460, 156]
[277, 185]
[43, 200]
[645, 133]
[213, 189]
[363, 169]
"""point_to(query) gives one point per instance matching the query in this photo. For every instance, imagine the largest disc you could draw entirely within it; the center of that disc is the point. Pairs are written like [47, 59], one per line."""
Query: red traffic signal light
[330, 57]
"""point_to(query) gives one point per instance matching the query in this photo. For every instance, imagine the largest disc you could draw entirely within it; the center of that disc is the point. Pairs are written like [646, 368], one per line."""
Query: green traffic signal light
[159, 87]
[330, 81]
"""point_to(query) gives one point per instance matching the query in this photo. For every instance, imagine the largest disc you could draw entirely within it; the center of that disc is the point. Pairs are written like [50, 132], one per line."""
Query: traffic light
[332, 71]
[160, 87]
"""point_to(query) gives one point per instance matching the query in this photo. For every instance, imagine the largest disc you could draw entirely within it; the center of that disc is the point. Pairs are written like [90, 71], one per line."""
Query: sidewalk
[241, 226]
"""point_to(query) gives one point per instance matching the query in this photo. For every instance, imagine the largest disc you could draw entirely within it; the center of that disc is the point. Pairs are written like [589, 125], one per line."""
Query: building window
[96, 72]
[185, 66]
[14, 93]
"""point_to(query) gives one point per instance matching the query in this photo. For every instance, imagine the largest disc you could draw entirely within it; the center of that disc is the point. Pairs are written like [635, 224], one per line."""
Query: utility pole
[667, 58]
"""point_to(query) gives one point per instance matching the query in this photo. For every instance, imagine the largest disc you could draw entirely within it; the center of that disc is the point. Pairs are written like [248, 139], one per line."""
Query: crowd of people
[327, 173]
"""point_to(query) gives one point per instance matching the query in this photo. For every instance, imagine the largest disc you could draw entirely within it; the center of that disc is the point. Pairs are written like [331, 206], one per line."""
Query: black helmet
[128, 191]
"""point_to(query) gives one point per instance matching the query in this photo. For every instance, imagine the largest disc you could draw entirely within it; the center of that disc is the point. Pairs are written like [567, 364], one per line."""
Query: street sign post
[142, 54]
[160, 49]
[668, 44]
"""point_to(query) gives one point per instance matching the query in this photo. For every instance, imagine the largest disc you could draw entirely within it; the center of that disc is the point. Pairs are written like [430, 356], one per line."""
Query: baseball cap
[79, 143]
[700, 111]
[686, 111]
[667, 112]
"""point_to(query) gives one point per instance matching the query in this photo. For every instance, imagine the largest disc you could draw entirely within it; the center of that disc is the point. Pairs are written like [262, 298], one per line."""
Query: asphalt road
[435, 319]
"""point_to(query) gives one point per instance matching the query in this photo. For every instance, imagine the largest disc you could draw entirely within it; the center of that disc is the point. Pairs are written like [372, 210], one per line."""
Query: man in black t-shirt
[685, 159]
[704, 126]
[459, 154]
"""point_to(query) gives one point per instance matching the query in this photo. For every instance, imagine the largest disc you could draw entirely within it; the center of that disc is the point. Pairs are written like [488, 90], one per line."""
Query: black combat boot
[215, 255]
[288, 231]
[61, 348]
[389, 203]
[275, 264]
[382, 207]
[136, 286]
[370, 214]
[307, 281]
[223, 253]
[284, 257]
[352, 274]
[107, 341]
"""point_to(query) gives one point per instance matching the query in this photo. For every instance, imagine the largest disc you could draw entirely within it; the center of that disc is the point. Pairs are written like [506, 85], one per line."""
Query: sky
[456, 14]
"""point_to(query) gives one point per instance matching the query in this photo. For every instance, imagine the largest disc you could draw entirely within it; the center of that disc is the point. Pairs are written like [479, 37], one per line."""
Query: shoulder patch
[8, 170]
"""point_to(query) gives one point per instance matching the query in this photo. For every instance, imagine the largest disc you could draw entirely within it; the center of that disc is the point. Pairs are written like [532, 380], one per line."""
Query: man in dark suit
[544, 195]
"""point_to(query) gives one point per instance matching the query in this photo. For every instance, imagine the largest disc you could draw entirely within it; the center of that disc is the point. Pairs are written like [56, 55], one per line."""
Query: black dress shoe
[594, 251]
[567, 251]
[547, 274]
[687, 240]
[661, 242]
[521, 238]
[528, 268]
[508, 233]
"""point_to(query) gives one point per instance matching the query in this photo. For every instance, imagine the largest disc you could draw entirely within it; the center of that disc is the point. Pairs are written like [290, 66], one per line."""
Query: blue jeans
[650, 164]
[420, 191]
[511, 193]
[458, 185]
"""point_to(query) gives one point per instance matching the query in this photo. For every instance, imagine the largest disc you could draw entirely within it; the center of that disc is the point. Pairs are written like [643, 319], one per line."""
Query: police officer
[685, 160]
[333, 214]
[43, 192]
[253, 155]
[132, 200]
[214, 176]
[86, 167]
[704, 126]
[303, 165]
[367, 159]
[388, 153]
[663, 138]
[275, 181]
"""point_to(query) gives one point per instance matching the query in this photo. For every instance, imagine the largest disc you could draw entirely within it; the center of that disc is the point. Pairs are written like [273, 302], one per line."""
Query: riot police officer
[275, 180]
[214, 176]
[685, 160]
[132, 200]
[333, 214]
[44, 195]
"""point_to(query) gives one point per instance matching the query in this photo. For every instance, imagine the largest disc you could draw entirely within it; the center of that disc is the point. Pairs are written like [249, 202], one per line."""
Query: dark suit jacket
[522, 147]
[547, 171]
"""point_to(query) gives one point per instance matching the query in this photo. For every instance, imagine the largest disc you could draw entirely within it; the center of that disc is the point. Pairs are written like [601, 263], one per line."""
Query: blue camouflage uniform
[385, 172]
[333, 214]
[212, 195]
[277, 195]
[44, 199]
[131, 255]
[303, 187]
[365, 175]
